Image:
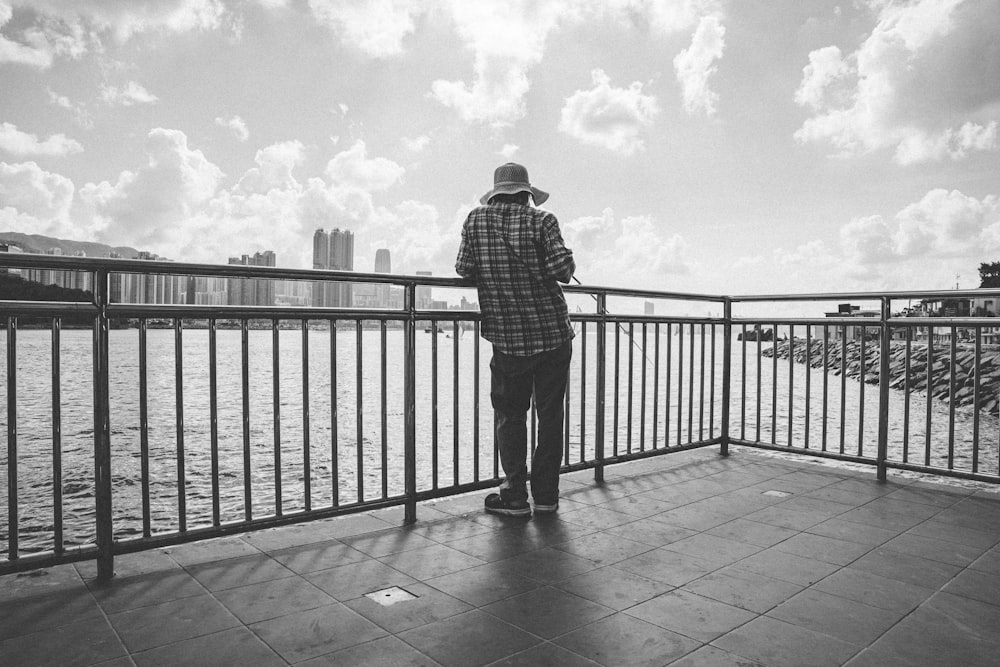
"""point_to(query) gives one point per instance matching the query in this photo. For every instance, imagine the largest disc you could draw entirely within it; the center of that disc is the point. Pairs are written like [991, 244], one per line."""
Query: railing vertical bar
[861, 390]
[928, 397]
[701, 384]
[144, 425]
[13, 527]
[977, 360]
[384, 402]
[334, 409]
[666, 389]
[179, 423]
[690, 425]
[656, 381]
[774, 387]
[583, 391]
[455, 412]
[631, 383]
[306, 440]
[276, 415]
[727, 371]
[883, 390]
[907, 389]
[826, 382]
[758, 418]
[952, 377]
[791, 379]
[434, 405]
[213, 416]
[245, 382]
[642, 394]
[102, 432]
[475, 406]
[808, 387]
[410, 402]
[359, 414]
[57, 477]
[711, 384]
[600, 390]
[617, 388]
[566, 405]
[680, 380]
[843, 387]
[743, 381]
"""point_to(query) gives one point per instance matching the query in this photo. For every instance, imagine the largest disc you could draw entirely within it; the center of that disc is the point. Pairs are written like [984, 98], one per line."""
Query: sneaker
[541, 508]
[495, 504]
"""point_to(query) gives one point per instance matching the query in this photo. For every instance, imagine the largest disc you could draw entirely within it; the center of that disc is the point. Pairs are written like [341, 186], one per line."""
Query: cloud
[274, 168]
[128, 95]
[236, 125]
[695, 64]
[353, 168]
[35, 201]
[608, 117]
[923, 83]
[632, 251]
[23, 144]
[416, 144]
[508, 150]
[375, 27]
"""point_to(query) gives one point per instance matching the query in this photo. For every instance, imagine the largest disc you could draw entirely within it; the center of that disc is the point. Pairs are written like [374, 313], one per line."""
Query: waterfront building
[333, 250]
[424, 294]
[252, 291]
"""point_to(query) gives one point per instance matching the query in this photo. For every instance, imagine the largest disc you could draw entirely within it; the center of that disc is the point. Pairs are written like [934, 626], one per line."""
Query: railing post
[102, 431]
[600, 390]
[410, 403]
[883, 391]
[727, 371]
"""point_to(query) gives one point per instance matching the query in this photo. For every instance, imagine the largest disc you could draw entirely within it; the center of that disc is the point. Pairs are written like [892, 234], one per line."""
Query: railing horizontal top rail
[868, 296]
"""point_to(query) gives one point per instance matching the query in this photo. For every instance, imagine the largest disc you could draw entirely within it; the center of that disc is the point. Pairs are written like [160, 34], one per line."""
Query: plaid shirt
[516, 254]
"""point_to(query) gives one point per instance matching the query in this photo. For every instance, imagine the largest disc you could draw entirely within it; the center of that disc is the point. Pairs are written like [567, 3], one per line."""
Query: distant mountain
[38, 243]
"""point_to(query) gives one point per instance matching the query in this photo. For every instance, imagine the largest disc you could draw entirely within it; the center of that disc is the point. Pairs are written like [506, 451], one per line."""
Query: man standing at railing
[516, 256]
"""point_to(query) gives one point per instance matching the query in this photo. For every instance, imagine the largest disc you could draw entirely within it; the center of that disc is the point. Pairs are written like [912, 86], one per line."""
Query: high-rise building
[424, 294]
[333, 250]
[252, 291]
[382, 262]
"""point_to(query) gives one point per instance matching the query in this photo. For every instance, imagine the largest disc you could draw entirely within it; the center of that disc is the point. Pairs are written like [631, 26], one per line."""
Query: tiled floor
[687, 560]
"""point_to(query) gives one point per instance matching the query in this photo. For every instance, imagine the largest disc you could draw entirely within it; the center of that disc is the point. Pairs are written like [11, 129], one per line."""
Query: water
[452, 446]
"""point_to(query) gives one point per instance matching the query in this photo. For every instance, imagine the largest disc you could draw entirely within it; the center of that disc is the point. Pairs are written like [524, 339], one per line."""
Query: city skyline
[705, 146]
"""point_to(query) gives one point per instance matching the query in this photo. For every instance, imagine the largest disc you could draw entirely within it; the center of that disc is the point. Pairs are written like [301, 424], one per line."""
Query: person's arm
[465, 264]
[559, 263]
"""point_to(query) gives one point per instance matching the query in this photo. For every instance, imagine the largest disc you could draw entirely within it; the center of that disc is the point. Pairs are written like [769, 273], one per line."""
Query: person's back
[516, 256]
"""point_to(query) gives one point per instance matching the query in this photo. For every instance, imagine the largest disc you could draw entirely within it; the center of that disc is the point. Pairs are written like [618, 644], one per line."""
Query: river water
[452, 445]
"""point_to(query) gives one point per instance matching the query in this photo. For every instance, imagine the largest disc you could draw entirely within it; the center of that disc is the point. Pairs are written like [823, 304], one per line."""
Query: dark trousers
[513, 381]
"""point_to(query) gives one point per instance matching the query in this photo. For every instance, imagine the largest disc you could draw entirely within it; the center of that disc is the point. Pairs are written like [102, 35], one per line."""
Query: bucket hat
[512, 178]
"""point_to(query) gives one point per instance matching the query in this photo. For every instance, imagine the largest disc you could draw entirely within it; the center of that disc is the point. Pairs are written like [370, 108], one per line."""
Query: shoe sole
[510, 512]
[546, 509]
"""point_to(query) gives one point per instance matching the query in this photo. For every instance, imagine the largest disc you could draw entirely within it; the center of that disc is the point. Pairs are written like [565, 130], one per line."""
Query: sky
[710, 146]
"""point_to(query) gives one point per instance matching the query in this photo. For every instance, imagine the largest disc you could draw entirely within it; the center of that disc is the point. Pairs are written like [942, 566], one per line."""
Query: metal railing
[161, 424]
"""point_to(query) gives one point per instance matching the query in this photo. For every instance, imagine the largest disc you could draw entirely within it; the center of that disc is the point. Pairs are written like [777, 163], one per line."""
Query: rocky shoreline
[940, 380]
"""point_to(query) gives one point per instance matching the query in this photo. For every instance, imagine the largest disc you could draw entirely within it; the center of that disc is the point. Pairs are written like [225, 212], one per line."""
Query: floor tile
[613, 587]
[976, 585]
[545, 655]
[744, 589]
[482, 584]
[603, 548]
[317, 556]
[949, 532]
[752, 532]
[953, 553]
[692, 517]
[787, 518]
[779, 644]
[988, 562]
[904, 567]
[637, 506]
[625, 640]
[82, 643]
[547, 612]
[854, 532]
[428, 605]
[355, 579]
[836, 616]
[448, 530]
[387, 542]
[709, 656]
[269, 599]
[721, 550]
[825, 549]
[22, 616]
[231, 573]
[237, 646]
[873, 590]
[547, 565]
[207, 551]
[306, 634]
[787, 567]
[692, 615]
[651, 532]
[130, 565]
[468, 640]
[56, 579]
[144, 590]
[384, 652]
[158, 625]
[431, 561]
[666, 566]
[596, 517]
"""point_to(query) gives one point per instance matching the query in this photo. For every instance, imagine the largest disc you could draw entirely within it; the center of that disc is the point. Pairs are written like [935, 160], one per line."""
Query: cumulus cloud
[608, 117]
[375, 27]
[23, 144]
[631, 251]
[416, 144]
[923, 83]
[508, 150]
[354, 168]
[695, 64]
[128, 95]
[236, 125]
[35, 201]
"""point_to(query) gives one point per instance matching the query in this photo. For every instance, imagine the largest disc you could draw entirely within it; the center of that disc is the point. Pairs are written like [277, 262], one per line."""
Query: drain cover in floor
[779, 494]
[390, 596]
